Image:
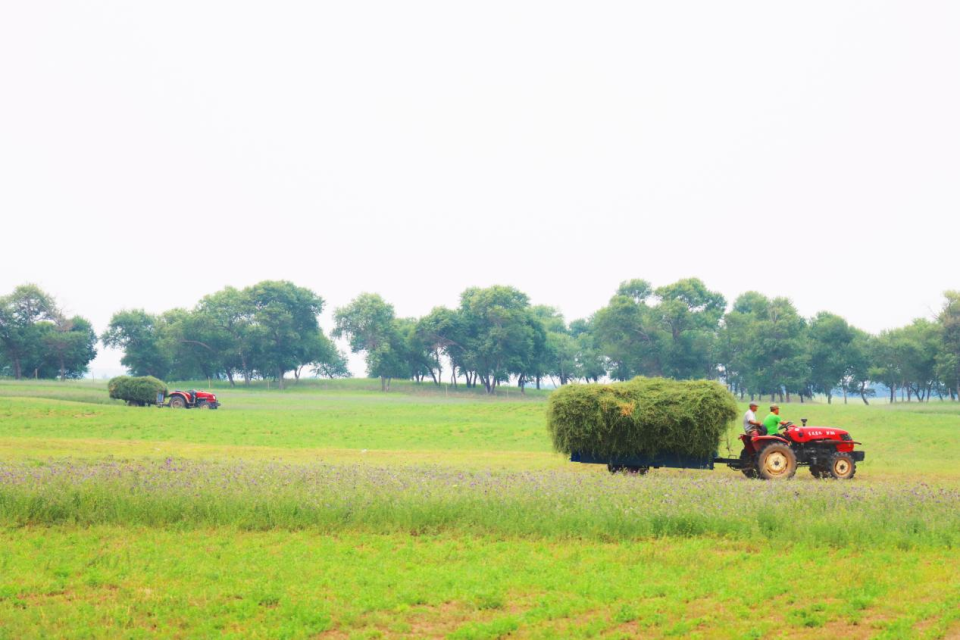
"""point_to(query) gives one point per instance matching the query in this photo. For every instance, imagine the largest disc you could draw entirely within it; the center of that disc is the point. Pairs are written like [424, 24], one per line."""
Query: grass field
[333, 510]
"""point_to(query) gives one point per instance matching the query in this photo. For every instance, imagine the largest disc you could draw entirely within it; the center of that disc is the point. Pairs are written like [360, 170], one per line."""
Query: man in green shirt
[773, 421]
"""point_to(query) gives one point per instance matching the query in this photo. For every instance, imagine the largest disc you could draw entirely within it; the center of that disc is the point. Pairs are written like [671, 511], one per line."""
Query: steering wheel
[786, 426]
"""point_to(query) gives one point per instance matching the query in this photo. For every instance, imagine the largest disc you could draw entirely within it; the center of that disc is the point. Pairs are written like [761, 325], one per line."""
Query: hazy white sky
[153, 152]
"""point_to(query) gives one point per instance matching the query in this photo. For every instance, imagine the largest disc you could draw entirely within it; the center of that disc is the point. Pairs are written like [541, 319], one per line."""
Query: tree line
[758, 346]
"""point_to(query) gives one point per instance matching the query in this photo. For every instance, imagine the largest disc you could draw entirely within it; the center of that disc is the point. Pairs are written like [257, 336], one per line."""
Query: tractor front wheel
[177, 402]
[842, 466]
[203, 404]
[776, 461]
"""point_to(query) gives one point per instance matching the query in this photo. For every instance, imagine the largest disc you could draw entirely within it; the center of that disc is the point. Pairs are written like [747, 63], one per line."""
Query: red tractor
[827, 451]
[192, 399]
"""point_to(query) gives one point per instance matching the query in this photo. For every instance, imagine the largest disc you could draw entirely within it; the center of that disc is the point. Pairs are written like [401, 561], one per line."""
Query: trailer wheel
[842, 466]
[747, 466]
[621, 468]
[777, 461]
[177, 402]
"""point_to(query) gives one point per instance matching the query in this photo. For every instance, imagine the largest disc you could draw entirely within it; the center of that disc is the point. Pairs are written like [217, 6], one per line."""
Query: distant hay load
[137, 391]
[645, 416]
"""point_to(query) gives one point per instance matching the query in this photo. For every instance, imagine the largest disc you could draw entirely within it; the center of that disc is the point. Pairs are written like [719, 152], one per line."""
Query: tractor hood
[806, 434]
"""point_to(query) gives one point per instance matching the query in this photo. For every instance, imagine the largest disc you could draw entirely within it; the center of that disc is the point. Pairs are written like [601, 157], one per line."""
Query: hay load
[136, 391]
[645, 416]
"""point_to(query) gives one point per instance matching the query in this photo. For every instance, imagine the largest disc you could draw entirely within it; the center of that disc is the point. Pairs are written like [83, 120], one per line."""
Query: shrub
[137, 391]
[644, 416]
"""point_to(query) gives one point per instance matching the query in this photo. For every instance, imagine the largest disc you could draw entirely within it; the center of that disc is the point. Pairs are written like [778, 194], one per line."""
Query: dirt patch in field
[429, 621]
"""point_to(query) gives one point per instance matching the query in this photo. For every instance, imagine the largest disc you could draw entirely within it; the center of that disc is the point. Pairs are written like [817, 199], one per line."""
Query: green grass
[413, 424]
[350, 517]
[106, 582]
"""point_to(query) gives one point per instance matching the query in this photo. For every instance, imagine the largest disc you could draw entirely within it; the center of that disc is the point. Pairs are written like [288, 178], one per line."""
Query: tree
[227, 319]
[500, 334]
[138, 334]
[948, 360]
[284, 327]
[71, 346]
[20, 314]
[627, 332]
[336, 367]
[886, 361]
[761, 345]
[857, 376]
[690, 313]
[828, 342]
[919, 345]
[368, 323]
[591, 365]
[435, 334]
[906, 359]
[554, 352]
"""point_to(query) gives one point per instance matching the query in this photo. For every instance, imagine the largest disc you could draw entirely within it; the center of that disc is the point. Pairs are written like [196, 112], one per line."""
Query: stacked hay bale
[645, 416]
[137, 391]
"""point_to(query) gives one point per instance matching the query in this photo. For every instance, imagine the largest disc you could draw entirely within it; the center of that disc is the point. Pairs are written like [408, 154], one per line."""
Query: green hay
[138, 391]
[645, 416]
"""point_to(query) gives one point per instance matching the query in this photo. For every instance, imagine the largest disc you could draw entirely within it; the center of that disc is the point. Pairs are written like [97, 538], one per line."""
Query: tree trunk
[17, 372]
[844, 395]
[863, 393]
[788, 396]
[279, 378]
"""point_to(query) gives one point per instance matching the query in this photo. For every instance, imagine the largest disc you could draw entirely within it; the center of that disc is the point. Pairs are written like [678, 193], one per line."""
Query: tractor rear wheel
[776, 461]
[177, 402]
[842, 466]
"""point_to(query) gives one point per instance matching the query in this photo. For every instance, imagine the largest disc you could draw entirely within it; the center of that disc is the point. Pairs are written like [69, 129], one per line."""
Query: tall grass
[260, 496]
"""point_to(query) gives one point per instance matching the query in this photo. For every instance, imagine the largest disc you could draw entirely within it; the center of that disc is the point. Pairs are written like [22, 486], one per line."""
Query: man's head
[753, 406]
[775, 408]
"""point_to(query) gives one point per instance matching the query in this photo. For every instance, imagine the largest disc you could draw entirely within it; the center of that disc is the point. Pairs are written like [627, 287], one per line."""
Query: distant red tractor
[827, 451]
[191, 399]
